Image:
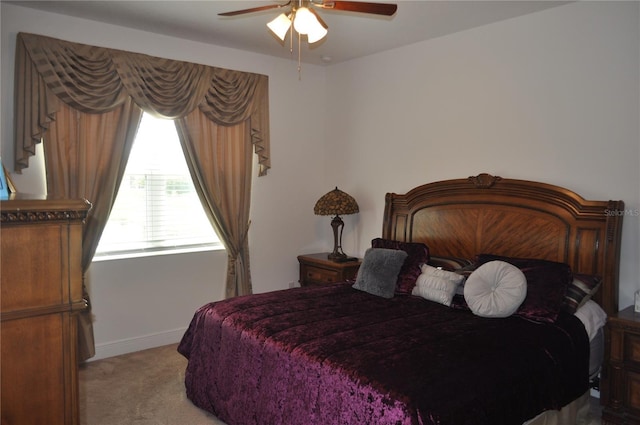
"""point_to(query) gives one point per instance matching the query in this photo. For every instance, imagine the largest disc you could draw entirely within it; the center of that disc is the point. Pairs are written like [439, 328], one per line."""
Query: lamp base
[337, 256]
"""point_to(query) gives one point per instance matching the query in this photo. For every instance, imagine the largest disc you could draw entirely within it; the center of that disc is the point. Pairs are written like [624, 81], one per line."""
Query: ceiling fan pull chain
[291, 40]
[299, 53]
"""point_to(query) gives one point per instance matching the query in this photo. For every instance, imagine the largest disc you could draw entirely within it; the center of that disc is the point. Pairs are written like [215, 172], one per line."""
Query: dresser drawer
[33, 267]
[34, 385]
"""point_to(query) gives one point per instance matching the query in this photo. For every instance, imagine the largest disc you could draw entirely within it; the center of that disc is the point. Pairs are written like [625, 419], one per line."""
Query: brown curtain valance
[96, 79]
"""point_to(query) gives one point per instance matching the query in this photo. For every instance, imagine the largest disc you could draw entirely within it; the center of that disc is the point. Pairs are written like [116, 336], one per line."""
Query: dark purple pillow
[580, 291]
[547, 283]
[417, 254]
[451, 264]
[518, 262]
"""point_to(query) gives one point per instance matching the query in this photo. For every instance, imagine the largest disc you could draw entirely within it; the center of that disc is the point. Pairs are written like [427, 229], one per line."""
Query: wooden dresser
[41, 294]
[620, 384]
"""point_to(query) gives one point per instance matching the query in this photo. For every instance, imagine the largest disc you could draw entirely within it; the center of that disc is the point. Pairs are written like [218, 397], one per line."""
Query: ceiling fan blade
[386, 9]
[254, 9]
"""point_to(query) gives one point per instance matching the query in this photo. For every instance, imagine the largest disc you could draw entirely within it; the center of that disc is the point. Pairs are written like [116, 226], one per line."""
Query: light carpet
[141, 388]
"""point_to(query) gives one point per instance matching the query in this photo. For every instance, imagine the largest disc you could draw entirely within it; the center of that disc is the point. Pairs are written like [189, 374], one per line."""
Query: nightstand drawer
[318, 275]
[620, 378]
[318, 269]
[632, 349]
[633, 391]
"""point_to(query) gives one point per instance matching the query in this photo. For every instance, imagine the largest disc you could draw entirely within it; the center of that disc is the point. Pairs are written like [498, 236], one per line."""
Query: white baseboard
[130, 345]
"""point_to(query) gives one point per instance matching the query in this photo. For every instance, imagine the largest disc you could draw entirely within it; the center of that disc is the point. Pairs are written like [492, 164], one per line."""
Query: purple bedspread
[334, 355]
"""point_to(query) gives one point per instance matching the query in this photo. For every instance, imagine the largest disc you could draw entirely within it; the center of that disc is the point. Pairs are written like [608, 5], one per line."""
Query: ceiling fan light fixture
[316, 34]
[280, 26]
[304, 21]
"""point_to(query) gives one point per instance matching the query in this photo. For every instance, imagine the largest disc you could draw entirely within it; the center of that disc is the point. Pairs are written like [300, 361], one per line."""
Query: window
[157, 210]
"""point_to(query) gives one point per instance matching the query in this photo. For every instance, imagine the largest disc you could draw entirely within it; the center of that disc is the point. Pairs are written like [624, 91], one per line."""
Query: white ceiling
[351, 35]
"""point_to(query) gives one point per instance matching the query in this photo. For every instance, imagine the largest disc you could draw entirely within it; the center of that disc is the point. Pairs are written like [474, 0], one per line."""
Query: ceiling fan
[350, 6]
[301, 16]
[306, 20]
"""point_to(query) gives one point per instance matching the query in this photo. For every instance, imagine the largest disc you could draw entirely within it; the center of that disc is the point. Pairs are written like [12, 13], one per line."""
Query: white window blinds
[157, 210]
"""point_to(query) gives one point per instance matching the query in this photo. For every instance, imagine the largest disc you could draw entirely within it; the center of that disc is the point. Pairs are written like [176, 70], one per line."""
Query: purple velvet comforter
[334, 355]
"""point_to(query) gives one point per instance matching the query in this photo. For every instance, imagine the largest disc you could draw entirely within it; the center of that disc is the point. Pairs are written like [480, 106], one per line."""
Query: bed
[424, 350]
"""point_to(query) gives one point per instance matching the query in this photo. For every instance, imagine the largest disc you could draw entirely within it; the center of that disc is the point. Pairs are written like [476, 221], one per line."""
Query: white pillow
[432, 271]
[495, 289]
[434, 288]
[436, 285]
[592, 316]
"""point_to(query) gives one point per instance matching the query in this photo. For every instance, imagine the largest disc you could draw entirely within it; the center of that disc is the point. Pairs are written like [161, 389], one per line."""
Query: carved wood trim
[28, 216]
[42, 210]
[484, 180]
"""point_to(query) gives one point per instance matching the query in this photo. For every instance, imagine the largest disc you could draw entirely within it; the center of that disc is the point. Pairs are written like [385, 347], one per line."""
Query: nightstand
[318, 269]
[620, 384]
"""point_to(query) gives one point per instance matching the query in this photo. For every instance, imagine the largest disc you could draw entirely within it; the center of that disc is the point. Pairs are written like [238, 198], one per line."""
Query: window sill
[141, 254]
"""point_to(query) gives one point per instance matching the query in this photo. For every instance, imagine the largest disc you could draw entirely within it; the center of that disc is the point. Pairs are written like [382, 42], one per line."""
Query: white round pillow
[495, 289]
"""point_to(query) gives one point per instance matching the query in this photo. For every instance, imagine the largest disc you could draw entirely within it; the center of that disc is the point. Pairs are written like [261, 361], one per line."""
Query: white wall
[148, 302]
[517, 98]
[551, 96]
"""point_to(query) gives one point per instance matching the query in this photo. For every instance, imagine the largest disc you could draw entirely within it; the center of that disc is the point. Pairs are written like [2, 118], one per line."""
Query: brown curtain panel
[221, 171]
[85, 103]
[86, 156]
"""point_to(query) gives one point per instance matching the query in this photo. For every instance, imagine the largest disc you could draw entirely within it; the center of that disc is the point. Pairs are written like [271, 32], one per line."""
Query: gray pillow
[379, 271]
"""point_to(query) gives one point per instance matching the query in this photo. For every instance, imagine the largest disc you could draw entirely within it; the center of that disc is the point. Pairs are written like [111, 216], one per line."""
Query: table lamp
[336, 203]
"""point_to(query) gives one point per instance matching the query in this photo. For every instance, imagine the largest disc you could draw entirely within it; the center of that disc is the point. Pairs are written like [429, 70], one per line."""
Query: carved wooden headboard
[517, 218]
